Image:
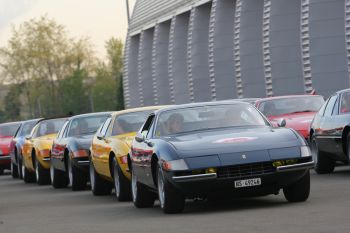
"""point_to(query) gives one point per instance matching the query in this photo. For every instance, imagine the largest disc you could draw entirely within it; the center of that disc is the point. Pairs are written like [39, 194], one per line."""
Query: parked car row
[174, 153]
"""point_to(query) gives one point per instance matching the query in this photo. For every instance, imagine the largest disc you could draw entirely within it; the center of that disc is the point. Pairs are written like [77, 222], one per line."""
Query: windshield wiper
[301, 111]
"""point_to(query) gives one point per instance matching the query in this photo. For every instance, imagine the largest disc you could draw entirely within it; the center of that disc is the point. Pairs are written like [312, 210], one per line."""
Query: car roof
[11, 123]
[342, 91]
[286, 97]
[131, 110]
[200, 104]
[89, 115]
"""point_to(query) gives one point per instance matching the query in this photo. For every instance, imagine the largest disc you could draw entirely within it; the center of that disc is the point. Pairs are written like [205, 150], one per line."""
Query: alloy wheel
[133, 185]
[161, 192]
[116, 181]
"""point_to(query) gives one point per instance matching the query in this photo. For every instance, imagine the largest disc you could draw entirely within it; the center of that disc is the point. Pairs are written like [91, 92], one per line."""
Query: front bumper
[204, 184]
[82, 163]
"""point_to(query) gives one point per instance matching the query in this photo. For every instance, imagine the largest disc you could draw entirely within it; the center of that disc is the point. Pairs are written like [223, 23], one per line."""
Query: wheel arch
[154, 167]
[110, 163]
[345, 133]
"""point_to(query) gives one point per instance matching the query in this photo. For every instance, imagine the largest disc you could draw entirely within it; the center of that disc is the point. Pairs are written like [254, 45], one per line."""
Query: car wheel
[141, 196]
[99, 186]
[14, 170]
[171, 201]
[1, 171]
[42, 175]
[77, 179]
[299, 191]
[121, 183]
[58, 178]
[323, 164]
[28, 177]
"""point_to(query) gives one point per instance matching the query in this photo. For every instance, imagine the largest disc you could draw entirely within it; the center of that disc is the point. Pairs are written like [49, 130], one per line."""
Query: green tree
[12, 103]
[114, 49]
[39, 55]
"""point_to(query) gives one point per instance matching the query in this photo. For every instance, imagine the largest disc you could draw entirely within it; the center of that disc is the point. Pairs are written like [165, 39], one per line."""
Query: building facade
[184, 51]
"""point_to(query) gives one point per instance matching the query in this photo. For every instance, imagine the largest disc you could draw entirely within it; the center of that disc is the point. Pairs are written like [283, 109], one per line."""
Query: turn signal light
[80, 153]
[210, 170]
[123, 159]
[280, 163]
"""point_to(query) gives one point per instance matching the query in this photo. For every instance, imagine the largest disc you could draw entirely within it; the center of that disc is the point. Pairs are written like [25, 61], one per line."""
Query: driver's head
[82, 126]
[175, 123]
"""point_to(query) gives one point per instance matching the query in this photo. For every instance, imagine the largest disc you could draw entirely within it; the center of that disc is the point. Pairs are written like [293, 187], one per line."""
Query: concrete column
[221, 50]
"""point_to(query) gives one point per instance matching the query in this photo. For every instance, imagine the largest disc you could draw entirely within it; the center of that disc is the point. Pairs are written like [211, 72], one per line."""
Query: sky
[96, 19]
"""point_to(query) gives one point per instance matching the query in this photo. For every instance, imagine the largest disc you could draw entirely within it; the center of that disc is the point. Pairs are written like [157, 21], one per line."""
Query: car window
[63, 130]
[290, 105]
[321, 111]
[129, 122]
[9, 129]
[104, 128]
[345, 103]
[147, 126]
[51, 126]
[208, 117]
[27, 128]
[84, 125]
[329, 108]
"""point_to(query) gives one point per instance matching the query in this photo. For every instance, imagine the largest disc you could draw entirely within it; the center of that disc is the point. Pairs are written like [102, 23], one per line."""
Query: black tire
[77, 179]
[14, 170]
[121, 183]
[42, 175]
[1, 171]
[99, 186]
[141, 196]
[58, 178]
[28, 177]
[323, 164]
[19, 167]
[299, 191]
[171, 201]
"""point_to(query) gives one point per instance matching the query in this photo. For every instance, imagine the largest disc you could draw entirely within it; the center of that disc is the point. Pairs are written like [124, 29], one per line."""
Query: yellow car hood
[127, 138]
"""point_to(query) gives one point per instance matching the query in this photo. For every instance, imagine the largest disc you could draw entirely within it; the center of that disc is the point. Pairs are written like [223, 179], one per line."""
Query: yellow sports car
[36, 151]
[109, 150]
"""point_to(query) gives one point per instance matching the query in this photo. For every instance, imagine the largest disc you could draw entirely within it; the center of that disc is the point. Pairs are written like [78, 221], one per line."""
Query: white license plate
[247, 183]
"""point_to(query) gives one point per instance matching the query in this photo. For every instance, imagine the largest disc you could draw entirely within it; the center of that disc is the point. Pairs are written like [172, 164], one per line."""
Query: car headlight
[305, 151]
[175, 165]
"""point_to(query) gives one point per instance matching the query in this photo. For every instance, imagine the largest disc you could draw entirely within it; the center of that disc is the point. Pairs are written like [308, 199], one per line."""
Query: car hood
[233, 140]
[297, 121]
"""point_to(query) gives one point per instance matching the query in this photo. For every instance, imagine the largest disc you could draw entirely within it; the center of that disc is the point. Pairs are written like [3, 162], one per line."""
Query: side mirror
[139, 137]
[28, 137]
[100, 137]
[282, 123]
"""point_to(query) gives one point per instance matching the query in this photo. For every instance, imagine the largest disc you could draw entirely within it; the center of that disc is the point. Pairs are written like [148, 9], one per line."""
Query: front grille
[246, 170]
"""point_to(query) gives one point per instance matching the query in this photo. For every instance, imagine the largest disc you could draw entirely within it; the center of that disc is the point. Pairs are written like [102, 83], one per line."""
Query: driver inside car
[175, 123]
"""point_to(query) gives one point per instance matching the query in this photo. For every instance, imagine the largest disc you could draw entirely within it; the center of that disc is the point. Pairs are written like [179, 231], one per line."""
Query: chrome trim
[46, 159]
[87, 162]
[195, 177]
[295, 167]
[331, 137]
[5, 157]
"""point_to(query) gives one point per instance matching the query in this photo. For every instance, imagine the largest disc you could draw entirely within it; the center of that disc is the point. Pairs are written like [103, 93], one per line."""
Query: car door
[142, 152]
[58, 147]
[328, 134]
[101, 149]
[28, 147]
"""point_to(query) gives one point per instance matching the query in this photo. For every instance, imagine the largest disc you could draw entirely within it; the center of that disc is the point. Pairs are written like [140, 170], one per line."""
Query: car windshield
[191, 119]
[130, 122]
[9, 130]
[86, 125]
[291, 105]
[51, 126]
[26, 128]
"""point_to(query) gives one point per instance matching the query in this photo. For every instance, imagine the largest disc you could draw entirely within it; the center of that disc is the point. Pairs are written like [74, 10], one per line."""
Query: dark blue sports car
[196, 150]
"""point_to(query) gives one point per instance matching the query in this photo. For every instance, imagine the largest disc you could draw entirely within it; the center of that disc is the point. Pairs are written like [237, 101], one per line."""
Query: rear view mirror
[282, 123]
[139, 137]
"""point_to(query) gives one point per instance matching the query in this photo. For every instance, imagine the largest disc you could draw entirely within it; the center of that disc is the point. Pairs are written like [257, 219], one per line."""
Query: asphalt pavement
[30, 208]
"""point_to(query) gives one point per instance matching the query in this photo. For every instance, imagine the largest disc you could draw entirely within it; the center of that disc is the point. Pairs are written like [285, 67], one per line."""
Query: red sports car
[297, 111]
[7, 131]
